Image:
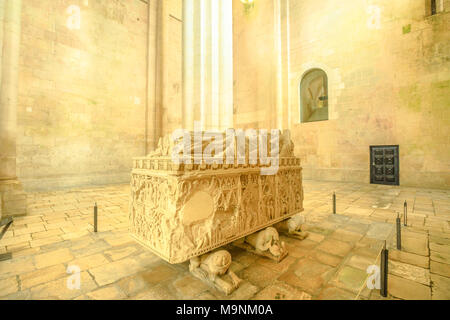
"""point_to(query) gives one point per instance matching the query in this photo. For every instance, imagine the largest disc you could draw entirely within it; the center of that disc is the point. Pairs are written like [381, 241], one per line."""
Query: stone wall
[388, 68]
[170, 64]
[254, 67]
[82, 91]
[388, 64]
[91, 95]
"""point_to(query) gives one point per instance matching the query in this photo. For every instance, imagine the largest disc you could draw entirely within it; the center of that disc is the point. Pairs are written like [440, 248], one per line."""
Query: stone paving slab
[408, 289]
[409, 258]
[440, 288]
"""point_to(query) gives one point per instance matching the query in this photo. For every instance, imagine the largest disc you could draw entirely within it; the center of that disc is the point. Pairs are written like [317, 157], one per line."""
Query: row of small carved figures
[166, 164]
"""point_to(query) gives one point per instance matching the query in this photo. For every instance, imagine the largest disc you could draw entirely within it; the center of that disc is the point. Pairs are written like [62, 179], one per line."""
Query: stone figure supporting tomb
[265, 243]
[184, 212]
[292, 227]
[211, 268]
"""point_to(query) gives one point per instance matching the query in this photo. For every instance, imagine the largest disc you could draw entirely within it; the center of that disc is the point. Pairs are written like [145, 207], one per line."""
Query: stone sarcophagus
[184, 210]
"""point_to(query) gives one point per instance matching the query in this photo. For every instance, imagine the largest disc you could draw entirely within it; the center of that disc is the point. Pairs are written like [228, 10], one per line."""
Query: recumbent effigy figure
[185, 210]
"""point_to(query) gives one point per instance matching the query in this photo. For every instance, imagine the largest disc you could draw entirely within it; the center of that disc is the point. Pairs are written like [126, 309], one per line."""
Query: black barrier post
[95, 217]
[399, 233]
[384, 272]
[405, 214]
[334, 202]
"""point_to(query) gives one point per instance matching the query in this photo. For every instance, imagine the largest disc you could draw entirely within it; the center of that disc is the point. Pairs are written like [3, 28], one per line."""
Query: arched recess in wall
[313, 96]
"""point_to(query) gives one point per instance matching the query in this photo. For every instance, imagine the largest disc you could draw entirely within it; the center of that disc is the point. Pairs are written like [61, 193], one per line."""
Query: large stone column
[282, 63]
[188, 63]
[151, 128]
[226, 61]
[208, 64]
[12, 197]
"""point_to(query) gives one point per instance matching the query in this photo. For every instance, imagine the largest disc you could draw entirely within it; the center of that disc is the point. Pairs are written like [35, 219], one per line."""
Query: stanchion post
[334, 202]
[95, 217]
[405, 214]
[399, 233]
[384, 272]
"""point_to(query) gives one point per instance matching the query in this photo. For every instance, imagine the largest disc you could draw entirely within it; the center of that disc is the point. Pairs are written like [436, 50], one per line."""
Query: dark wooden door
[384, 165]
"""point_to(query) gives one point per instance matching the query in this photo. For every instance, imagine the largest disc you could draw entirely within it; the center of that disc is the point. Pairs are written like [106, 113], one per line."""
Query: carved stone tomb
[184, 212]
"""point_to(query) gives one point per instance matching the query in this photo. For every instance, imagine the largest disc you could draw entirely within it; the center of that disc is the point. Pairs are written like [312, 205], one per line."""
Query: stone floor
[330, 264]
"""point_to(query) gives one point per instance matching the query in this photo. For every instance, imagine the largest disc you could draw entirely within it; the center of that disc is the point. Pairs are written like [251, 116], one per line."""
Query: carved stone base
[292, 227]
[214, 269]
[265, 243]
[13, 200]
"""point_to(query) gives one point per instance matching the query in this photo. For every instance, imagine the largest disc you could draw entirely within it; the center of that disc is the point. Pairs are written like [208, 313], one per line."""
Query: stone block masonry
[82, 92]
